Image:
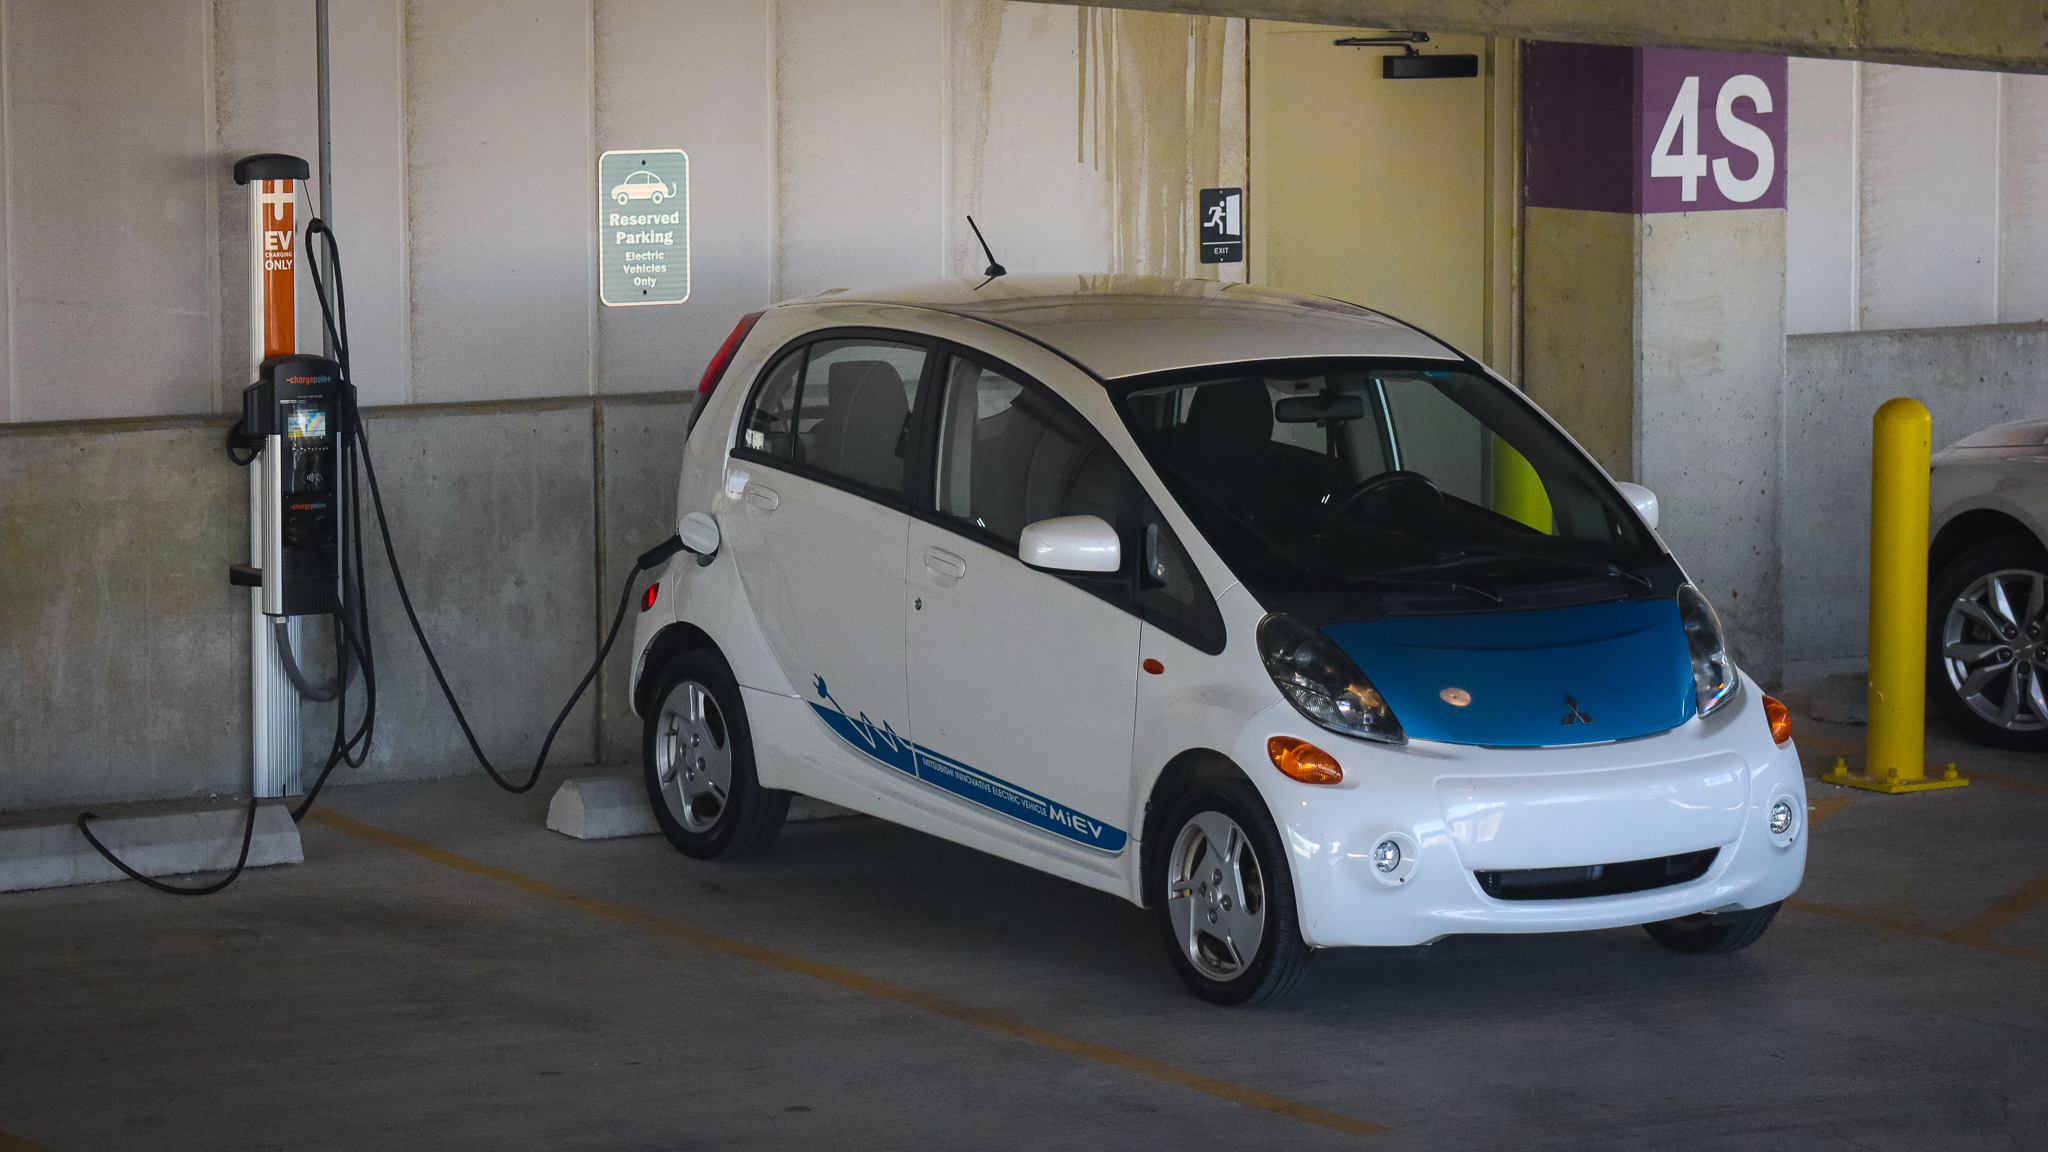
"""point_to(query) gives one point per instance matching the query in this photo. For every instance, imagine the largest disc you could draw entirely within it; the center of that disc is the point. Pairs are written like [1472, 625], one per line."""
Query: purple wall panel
[1593, 117]
[1578, 126]
[1741, 93]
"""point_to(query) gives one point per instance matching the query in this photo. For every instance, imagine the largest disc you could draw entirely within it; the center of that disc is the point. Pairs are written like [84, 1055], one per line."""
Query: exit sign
[1221, 227]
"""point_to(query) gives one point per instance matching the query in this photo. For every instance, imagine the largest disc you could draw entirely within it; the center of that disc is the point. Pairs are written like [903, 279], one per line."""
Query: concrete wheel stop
[604, 807]
[44, 849]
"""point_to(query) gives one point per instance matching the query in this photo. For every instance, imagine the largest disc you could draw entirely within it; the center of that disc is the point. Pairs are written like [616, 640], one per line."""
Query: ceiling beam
[1999, 35]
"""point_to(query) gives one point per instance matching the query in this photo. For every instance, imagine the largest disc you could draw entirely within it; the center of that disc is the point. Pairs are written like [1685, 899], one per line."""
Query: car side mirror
[1644, 500]
[1071, 544]
[700, 535]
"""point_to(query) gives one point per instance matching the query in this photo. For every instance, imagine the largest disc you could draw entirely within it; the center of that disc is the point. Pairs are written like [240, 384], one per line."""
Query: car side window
[843, 407]
[1171, 591]
[1009, 456]
[771, 423]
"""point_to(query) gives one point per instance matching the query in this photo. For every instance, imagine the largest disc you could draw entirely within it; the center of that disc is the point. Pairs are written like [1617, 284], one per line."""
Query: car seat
[861, 434]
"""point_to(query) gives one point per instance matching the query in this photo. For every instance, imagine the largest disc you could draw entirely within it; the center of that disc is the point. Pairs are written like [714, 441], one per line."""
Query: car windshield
[1417, 481]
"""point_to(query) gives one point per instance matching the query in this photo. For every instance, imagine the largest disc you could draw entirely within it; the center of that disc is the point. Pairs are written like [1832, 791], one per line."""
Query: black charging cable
[653, 557]
[248, 834]
[351, 610]
[334, 315]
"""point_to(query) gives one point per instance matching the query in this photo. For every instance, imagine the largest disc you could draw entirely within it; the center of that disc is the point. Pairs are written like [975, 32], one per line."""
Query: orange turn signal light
[1781, 721]
[1303, 761]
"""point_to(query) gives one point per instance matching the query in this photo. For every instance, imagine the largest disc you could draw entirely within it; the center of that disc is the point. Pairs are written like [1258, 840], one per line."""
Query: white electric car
[1270, 613]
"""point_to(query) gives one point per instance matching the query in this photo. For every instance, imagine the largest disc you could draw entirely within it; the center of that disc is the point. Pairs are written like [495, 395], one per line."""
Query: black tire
[1280, 956]
[1711, 934]
[2013, 558]
[711, 804]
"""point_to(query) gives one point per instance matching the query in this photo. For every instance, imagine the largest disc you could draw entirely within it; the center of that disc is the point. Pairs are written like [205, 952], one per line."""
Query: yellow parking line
[9, 1142]
[846, 978]
[1982, 943]
[2007, 910]
[1975, 934]
[1825, 807]
[2019, 784]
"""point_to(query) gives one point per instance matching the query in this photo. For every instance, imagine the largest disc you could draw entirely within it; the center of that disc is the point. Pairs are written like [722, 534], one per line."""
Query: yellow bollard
[1895, 754]
[1517, 491]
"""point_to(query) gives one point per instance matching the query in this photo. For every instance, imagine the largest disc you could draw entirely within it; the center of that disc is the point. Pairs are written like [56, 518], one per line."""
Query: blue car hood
[1559, 676]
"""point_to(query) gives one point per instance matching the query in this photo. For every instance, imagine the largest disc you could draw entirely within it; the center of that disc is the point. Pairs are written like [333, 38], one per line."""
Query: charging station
[301, 437]
[275, 748]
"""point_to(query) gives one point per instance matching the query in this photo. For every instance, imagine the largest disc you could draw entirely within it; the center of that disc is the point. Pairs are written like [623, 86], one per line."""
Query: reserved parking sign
[643, 227]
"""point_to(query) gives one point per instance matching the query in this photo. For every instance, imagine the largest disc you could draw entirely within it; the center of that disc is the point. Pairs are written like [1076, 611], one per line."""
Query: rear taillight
[719, 359]
[648, 597]
[715, 371]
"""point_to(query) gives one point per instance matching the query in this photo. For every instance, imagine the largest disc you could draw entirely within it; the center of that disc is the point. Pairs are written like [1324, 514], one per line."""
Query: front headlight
[1713, 673]
[1317, 678]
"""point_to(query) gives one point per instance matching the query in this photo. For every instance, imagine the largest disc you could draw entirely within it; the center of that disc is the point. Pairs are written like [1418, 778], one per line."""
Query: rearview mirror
[1315, 409]
[700, 535]
[1071, 544]
[1644, 500]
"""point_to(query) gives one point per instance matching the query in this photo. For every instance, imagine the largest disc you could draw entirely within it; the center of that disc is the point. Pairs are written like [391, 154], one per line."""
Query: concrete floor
[489, 984]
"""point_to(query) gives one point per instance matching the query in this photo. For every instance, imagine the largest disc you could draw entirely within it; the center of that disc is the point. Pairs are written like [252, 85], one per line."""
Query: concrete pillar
[1654, 318]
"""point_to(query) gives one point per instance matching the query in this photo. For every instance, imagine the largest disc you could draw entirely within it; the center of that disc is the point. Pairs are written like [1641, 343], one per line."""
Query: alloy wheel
[1994, 649]
[693, 756]
[1216, 896]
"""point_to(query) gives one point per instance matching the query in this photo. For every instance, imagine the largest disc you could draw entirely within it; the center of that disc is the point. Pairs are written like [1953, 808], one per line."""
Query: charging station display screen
[311, 452]
[304, 422]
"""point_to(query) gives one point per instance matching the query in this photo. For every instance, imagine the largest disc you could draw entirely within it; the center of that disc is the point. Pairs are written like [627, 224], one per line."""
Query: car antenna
[994, 269]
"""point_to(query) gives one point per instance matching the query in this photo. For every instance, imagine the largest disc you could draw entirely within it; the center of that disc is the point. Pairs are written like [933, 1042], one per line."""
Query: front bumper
[1456, 810]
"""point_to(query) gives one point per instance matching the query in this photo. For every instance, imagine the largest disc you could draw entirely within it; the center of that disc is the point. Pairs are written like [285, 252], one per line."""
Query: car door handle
[944, 563]
[763, 498]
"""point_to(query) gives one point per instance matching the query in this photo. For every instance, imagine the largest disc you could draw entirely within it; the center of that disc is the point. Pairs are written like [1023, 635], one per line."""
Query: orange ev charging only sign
[643, 227]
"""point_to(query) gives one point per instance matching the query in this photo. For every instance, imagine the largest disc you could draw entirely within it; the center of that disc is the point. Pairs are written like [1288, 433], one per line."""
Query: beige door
[1394, 194]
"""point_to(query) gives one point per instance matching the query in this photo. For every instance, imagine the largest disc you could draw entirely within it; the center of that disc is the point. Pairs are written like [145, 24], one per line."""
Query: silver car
[1987, 594]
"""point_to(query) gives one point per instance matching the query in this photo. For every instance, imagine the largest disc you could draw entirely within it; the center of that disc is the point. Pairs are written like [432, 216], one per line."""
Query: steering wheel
[1341, 506]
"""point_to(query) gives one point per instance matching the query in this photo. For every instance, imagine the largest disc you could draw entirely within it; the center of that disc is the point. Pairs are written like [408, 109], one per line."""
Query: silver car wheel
[693, 756]
[1216, 896]
[1994, 650]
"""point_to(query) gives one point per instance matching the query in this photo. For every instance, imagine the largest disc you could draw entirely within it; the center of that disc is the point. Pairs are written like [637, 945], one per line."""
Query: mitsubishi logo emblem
[1573, 714]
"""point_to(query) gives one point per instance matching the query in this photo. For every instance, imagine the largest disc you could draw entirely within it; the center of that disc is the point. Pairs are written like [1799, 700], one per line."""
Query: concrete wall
[1578, 324]
[1710, 347]
[109, 265]
[527, 434]
[123, 650]
[1969, 377]
[124, 655]
[1916, 226]
[831, 145]
[1915, 197]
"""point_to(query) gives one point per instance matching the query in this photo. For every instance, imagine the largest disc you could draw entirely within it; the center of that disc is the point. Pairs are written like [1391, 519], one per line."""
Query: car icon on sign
[642, 185]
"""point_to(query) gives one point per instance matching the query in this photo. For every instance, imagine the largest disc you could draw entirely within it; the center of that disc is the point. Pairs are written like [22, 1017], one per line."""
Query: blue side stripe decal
[880, 743]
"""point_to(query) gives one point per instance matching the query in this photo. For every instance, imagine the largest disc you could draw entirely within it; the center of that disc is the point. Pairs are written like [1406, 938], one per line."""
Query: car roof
[2013, 434]
[1117, 326]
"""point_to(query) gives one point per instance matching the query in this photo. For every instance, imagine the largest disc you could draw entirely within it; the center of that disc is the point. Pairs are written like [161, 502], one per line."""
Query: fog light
[1781, 817]
[1386, 855]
